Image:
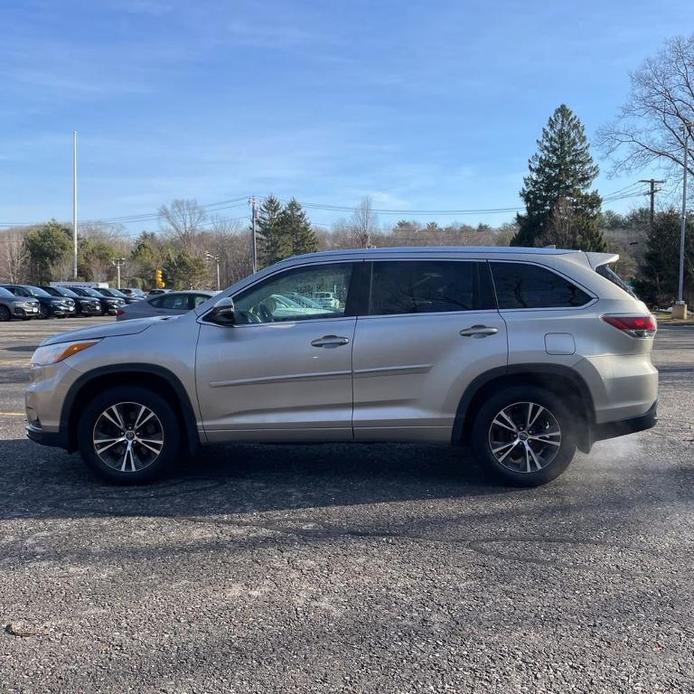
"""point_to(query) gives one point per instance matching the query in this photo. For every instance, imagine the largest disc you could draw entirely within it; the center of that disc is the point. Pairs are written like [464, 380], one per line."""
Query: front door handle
[330, 341]
[479, 331]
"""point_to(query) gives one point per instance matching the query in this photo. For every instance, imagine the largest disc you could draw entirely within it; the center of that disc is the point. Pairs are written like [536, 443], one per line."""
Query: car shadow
[242, 478]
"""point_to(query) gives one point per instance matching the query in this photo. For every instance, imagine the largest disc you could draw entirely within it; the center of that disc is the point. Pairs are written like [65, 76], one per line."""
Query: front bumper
[90, 309]
[46, 438]
[26, 311]
[610, 430]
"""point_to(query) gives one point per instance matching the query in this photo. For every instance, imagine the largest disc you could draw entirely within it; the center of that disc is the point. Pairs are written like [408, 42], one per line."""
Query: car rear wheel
[129, 435]
[524, 436]
[4, 313]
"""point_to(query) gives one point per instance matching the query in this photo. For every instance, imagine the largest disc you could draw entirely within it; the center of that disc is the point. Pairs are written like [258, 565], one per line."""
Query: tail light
[120, 312]
[636, 326]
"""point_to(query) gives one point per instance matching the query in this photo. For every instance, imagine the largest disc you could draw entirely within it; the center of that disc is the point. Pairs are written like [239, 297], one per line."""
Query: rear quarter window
[522, 285]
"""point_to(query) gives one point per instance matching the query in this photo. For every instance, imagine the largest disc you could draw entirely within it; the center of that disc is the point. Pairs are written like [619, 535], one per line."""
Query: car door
[432, 327]
[283, 370]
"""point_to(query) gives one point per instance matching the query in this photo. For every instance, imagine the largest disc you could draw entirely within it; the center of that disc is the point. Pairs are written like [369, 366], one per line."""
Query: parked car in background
[109, 304]
[133, 292]
[169, 304]
[12, 306]
[116, 294]
[326, 300]
[49, 306]
[152, 292]
[85, 305]
[523, 354]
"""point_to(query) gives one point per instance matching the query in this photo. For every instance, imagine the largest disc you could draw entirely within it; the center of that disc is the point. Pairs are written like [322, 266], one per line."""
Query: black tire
[4, 313]
[517, 398]
[124, 397]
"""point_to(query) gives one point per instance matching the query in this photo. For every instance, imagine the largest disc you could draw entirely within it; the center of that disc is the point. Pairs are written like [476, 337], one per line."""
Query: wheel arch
[160, 379]
[562, 381]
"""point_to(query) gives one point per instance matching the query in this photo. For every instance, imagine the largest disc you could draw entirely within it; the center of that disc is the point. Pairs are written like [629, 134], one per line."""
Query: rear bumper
[610, 430]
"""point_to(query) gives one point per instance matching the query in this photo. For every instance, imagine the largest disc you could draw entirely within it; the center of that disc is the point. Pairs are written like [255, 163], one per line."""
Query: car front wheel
[129, 435]
[524, 436]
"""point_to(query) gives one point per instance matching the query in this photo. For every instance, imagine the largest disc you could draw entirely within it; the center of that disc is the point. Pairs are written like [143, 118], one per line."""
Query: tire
[112, 461]
[528, 456]
[4, 313]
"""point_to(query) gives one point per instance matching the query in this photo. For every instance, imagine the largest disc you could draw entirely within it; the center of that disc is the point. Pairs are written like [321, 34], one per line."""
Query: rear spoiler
[598, 259]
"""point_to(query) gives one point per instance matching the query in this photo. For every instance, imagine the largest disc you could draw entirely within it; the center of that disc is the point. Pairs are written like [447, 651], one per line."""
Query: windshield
[64, 291]
[35, 291]
[5, 293]
[59, 291]
[88, 291]
[111, 292]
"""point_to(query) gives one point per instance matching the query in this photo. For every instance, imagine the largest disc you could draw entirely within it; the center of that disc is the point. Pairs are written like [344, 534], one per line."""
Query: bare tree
[227, 241]
[13, 255]
[649, 127]
[364, 224]
[183, 220]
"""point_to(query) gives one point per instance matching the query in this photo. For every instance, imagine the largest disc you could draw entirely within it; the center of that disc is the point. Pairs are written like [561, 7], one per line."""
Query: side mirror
[222, 312]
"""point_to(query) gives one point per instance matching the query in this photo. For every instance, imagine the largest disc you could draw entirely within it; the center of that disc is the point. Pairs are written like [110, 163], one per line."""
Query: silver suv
[524, 355]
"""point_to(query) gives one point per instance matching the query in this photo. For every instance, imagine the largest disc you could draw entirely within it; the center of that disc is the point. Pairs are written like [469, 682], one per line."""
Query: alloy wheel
[128, 437]
[525, 437]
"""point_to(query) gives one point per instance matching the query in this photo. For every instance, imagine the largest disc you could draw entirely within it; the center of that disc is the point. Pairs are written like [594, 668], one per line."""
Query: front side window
[521, 285]
[424, 286]
[303, 294]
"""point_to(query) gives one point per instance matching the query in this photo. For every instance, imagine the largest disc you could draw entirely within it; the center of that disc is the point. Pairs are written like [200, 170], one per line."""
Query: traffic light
[159, 279]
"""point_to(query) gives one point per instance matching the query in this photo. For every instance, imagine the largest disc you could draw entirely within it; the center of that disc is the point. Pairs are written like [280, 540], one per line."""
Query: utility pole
[255, 240]
[209, 256]
[74, 204]
[118, 263]
[681, 307]
[652, 183]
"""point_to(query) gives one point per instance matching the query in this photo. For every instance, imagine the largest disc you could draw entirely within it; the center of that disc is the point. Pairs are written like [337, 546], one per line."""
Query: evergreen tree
[47, 245]
[274, 243]
[296, 225]
[556, 191]
[658, 279]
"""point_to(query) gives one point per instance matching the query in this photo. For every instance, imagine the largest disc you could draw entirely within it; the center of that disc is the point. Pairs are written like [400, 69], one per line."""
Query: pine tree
[556, 191]
[273, 243]
[658, 277]
[296, 225]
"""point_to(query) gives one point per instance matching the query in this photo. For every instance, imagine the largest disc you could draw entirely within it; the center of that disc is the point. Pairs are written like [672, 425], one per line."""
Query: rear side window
[520, 285]
[425, 286]
[608, 273]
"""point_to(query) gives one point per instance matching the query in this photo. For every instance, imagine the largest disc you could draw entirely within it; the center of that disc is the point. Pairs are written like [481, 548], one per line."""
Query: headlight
[52, 354]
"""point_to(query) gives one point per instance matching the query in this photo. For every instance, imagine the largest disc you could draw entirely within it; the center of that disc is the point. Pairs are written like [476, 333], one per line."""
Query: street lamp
[209, 256]
[118, 263]
[680, 308]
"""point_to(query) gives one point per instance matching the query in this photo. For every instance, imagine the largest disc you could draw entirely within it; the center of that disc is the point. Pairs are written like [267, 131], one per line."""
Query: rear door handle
[479, 331]
[330, 341]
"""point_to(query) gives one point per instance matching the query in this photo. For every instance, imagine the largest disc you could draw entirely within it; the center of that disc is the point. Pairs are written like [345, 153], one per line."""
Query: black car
[109, 304]
[86, 305]
[116, 294]
[49, 306]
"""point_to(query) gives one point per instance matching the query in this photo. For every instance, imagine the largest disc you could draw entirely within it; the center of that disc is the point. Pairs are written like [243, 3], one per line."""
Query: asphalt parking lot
[349, 568]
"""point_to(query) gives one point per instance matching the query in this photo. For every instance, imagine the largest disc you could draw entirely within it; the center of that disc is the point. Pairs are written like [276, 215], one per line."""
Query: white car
[326, 299]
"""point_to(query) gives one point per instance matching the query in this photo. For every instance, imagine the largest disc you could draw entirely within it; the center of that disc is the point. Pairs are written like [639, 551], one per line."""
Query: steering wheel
[264, 313]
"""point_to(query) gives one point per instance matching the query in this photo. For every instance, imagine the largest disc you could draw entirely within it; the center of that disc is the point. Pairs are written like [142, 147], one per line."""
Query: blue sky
[420, 104]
